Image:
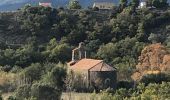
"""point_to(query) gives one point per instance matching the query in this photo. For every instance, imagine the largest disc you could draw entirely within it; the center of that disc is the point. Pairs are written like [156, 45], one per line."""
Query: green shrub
[11, 98]
[54, 76]
[32, 72]
[44, 92]
[141, 92]
[74, 4]
[155, 78]
[23, 92]
[1, 97]
[37, 91]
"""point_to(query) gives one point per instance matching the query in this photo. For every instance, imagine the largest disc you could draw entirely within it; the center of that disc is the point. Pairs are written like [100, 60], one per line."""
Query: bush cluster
[150, 92]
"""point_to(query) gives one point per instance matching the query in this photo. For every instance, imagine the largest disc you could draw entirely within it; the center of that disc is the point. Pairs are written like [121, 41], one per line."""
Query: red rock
[154, 58]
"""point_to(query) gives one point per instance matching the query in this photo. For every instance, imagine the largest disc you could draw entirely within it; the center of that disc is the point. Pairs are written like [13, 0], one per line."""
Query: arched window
[107, 82]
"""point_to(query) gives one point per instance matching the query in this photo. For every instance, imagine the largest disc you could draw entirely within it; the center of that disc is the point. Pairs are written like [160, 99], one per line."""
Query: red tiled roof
[45, 4]
[91, 64]
[102, 67]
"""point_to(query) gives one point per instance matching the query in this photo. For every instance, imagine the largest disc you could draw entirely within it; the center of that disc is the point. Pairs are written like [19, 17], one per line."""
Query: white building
[103, 5]
[45, 4]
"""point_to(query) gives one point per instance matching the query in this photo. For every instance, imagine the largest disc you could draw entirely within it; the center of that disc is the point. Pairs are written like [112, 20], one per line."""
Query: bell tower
[79, 52]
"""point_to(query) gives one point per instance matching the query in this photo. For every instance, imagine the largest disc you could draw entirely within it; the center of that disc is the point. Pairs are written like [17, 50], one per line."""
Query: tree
[123, 4]
[55, 77]
[56, 52]
[153, 38]
[155, 78]
[141, 34]
[44, 92]
[164, 3]
[159, 3]
[1, 97]
[74, 4]
[32, 73]
[40, 22]
[135, 3]
[47, 82]
[156, 3]
[108, 51]
[92, 47]
[37, 91]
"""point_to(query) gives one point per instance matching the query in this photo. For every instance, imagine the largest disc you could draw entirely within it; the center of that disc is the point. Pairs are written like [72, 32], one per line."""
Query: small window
[107, 82]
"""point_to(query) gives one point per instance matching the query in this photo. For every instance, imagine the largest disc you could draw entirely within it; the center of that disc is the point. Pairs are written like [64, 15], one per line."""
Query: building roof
[91, 65]
[45, 4]
[106, 3]
[103, 3]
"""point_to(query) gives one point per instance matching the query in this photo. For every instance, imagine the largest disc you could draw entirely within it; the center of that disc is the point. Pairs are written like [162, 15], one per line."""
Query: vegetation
[142, 92]
[36, 42]
[74, 4]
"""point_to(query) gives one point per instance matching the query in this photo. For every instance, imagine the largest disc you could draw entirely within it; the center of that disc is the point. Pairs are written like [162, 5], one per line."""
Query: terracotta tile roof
[102, 67]
[92, 65]
[45, 4]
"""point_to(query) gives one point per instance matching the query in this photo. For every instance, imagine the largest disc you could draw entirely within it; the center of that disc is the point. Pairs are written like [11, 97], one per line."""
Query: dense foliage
[41, 82]
[74, 4]
[141, 92]
[34, 40]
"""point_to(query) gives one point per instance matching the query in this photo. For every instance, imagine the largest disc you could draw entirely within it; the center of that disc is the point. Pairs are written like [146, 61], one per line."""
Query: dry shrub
[7, 81]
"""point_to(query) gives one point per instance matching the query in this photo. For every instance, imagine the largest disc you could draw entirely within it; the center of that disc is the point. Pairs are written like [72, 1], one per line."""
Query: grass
[6, 95]
[6, 77]
[80, 96]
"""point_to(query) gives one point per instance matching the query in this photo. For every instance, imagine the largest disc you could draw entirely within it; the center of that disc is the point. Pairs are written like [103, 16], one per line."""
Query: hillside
[124, 36]
[37, 42]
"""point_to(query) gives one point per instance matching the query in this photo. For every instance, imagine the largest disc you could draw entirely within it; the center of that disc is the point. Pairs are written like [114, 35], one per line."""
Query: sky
[8, 5]
[55, 2]
[3, 2]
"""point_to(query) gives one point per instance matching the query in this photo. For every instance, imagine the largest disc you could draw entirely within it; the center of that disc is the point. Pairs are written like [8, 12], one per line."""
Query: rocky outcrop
[165, 66]
[154, 59]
